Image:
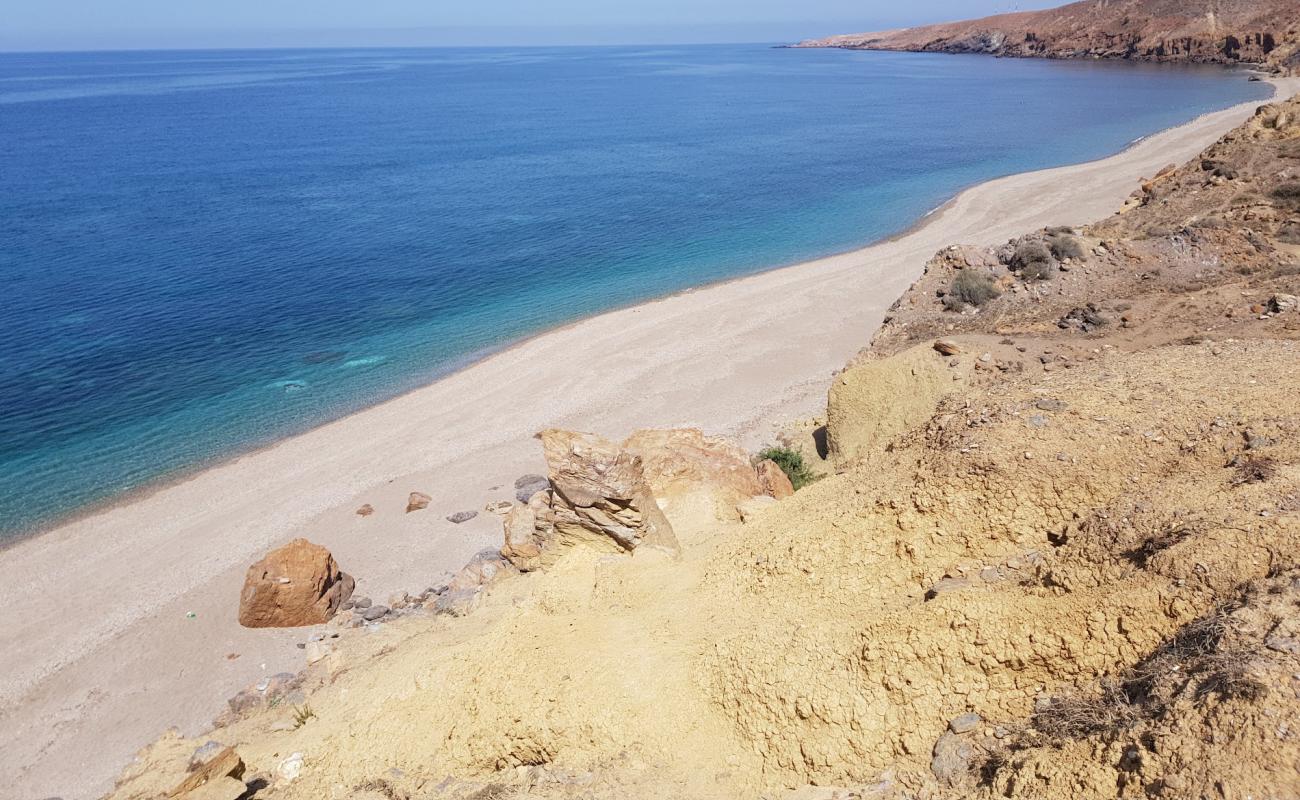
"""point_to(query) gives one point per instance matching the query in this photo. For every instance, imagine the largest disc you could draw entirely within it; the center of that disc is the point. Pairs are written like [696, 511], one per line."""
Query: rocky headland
[1265, 33]
[1042, 544]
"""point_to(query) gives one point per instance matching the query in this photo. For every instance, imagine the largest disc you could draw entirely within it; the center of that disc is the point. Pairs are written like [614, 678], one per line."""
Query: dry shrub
[1160, 541]
[1078, 715]
[1253, 469]
[1288, 194]
[971, 287]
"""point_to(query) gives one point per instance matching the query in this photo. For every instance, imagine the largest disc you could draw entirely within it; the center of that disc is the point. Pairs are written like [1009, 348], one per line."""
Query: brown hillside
[1265, 32]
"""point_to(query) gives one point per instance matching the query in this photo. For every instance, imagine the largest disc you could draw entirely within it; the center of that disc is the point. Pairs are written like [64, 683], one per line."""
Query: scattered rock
[462, 516]
[290, 768]
[501, 507]
[946, 347]
[361, 603]
[529, 485]
[218, 777]
[1279, 303]
[295, 585]
[417, 502]
[1084, 318]
[773, 480]
[365, 510]
[1050, 404]
[965, 723]
[374, 613]
[951, 759]
[524, 540]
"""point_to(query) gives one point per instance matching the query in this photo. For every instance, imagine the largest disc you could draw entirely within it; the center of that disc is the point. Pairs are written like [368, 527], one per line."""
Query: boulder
[696, 479]
[217, 777]
[295, 585]
[601, 495]
[773, 479]
[417, 502]
[872, 403]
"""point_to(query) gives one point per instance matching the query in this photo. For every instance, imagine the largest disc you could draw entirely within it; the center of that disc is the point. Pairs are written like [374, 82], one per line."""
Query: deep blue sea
[202, 252]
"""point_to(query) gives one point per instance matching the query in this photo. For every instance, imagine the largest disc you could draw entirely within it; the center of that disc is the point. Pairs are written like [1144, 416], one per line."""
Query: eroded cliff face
[1069, 567]
[1264, 32]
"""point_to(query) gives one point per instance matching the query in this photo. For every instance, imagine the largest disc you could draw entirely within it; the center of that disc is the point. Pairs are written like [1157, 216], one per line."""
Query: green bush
[970, 287]
[791, 463]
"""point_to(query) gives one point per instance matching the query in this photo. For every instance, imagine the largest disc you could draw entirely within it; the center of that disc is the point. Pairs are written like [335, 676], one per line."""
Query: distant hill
[1264, 32]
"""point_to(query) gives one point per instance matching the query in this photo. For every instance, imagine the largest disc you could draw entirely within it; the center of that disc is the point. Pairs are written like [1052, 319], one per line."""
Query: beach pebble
[290, 768]
[462, 516]
[365, 510]
[529, 485]
[499, 507]
[417, 501]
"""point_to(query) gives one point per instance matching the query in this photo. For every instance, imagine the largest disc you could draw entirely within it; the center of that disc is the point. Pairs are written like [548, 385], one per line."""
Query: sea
[203, 252]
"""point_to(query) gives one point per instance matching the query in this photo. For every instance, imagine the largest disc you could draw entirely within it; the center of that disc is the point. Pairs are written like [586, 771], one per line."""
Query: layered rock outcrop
[295, 585]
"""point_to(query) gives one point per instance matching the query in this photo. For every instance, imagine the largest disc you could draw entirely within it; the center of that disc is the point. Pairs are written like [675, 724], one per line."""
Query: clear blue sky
[110, 24]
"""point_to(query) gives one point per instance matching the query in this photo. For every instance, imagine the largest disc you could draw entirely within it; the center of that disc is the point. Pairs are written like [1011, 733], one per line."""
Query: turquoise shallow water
[206, 251]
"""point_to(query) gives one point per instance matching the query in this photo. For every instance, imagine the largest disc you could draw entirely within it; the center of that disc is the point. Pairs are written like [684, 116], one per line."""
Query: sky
[135, 24]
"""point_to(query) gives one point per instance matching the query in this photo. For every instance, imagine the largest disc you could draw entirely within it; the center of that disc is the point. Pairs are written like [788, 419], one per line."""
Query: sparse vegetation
[791, 463]
[1063, 245]
[1288, 194]
[301, 714]
[1254, 469]
[971, 287]
[1034, 260]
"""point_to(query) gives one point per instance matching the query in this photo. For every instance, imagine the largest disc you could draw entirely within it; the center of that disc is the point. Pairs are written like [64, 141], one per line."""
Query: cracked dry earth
[1069, 570]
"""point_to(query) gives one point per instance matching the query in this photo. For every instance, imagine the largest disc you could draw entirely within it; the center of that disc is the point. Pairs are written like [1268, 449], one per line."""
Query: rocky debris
[528, 485]
[695, 479]
[946, 347]
[290, 768]
[361, 603]
[951, 760]
[773, 480]
[1280, 303]
[601, 494]
[965, 723]
[374, 613]
[463, 593]
[268, 692]
[462, 516]
[499, 507]
[1083, 318]
[219, 777]
[295, 585]
[1050, 404]
[365, 510]
[418, 501]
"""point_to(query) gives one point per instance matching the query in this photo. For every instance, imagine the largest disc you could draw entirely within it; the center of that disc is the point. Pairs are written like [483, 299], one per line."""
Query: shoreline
[182, 475]
[106, 629]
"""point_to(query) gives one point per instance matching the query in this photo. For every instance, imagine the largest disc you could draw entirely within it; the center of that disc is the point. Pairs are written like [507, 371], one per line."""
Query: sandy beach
[127, 620]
